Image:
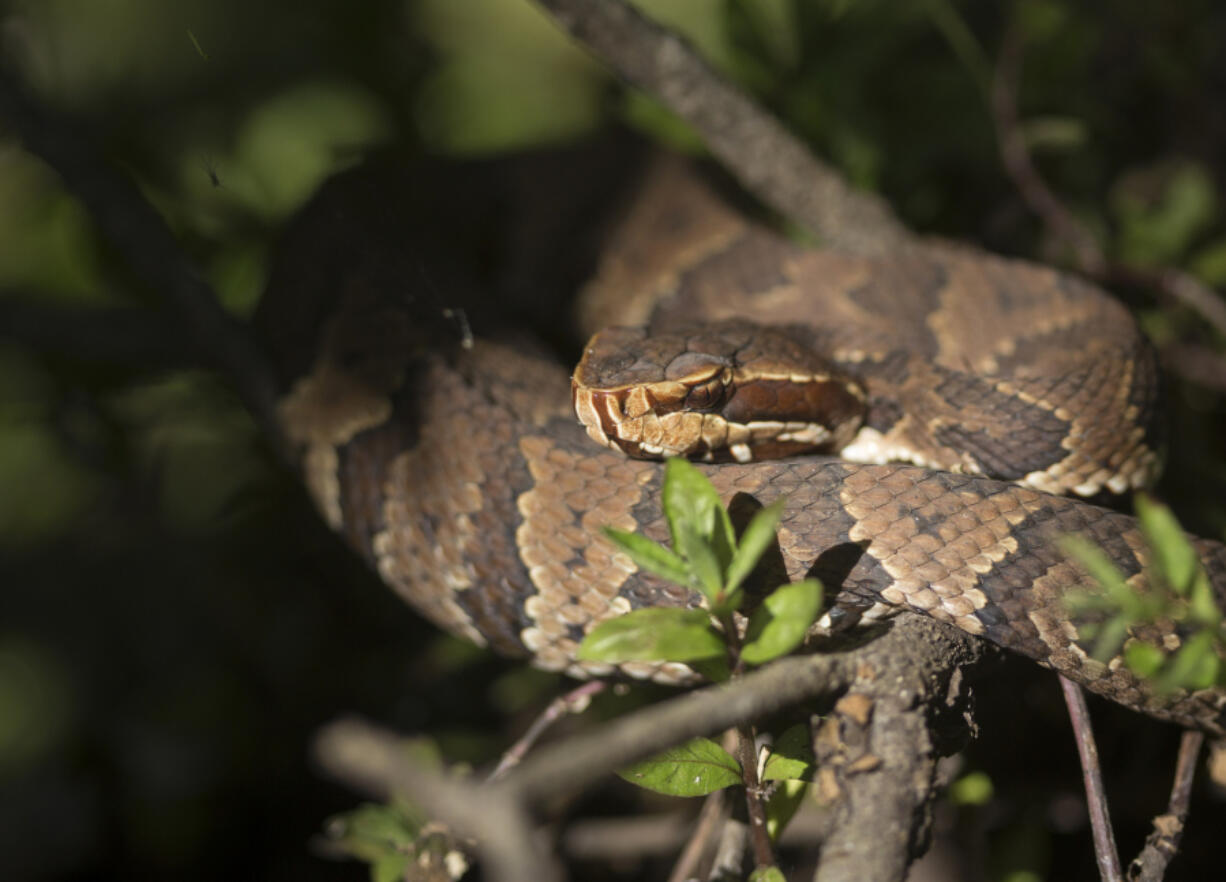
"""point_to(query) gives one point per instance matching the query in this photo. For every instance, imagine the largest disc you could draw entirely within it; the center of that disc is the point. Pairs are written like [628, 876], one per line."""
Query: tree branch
[878, 751]
[372, 760]
[768, 160]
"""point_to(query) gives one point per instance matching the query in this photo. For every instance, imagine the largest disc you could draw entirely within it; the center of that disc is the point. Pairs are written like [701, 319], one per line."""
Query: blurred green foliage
[176, 622]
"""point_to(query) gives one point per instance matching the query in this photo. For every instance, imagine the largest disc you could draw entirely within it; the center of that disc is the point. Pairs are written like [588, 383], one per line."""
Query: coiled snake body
[457, 468]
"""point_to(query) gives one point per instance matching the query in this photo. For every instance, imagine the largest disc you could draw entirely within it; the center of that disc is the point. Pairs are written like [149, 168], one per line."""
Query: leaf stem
[763, 853]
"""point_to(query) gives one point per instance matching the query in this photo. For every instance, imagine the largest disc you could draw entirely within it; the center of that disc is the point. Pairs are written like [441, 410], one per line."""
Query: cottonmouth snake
[456, 467]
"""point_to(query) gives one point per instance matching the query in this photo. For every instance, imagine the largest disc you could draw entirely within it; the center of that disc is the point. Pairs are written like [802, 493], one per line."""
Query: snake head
[718, 392]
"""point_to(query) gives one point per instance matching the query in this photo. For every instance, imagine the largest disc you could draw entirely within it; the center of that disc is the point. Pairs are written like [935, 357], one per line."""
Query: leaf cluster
[706, 556]
[1177, 595]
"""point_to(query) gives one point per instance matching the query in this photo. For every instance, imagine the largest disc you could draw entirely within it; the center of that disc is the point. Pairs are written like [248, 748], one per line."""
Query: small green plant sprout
[1179, 594]
[705, 556]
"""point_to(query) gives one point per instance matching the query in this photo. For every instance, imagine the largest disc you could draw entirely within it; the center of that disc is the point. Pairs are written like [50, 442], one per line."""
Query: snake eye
[706, 396]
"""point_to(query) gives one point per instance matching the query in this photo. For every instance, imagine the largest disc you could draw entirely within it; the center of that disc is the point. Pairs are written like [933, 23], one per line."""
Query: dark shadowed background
[174, 621]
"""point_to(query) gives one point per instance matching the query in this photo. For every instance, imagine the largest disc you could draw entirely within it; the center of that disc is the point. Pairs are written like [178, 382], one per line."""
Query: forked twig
[1163, 843]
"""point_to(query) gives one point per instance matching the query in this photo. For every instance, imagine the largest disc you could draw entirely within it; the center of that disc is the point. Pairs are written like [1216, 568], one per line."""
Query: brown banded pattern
[462, 476]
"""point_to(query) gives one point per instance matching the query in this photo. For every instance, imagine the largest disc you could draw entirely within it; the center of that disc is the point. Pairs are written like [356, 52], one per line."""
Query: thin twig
[768, 160]
[759, 837]
[1016, 159]
[1163, 843]
[585, 758]
[137, 232]
[573, 701]
[710, 821]
[928, 648]
[1105, 851]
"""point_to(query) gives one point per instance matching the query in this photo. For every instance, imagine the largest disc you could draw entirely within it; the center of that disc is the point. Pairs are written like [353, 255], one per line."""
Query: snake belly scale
[994, 390]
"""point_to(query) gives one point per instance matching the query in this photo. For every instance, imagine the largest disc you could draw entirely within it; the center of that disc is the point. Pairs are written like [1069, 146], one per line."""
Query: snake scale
[455, 465]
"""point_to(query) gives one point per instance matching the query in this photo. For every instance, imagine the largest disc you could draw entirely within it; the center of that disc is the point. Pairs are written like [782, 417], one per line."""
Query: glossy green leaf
[649, 556]
[757, 538]
[780, 623]
[690, 500]
[653, 634]
[791, 756]
[696, 768]
[702, 564]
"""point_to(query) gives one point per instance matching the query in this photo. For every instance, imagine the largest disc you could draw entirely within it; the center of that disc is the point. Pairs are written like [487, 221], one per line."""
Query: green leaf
[714, 669]
[390, 868]
[649, 556]
[372, 832]
[1156, 231]
[756, 539]
[780, 623]
[1098, 565]
[1118, 601]
[1202, 602]
[696, 768]
[783, 805]
[1174, 557]
[1195, 666]
[689, 499]
[705, 572]
[767, 874]
[653, 634]
[1144, 659]
[791, 756]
